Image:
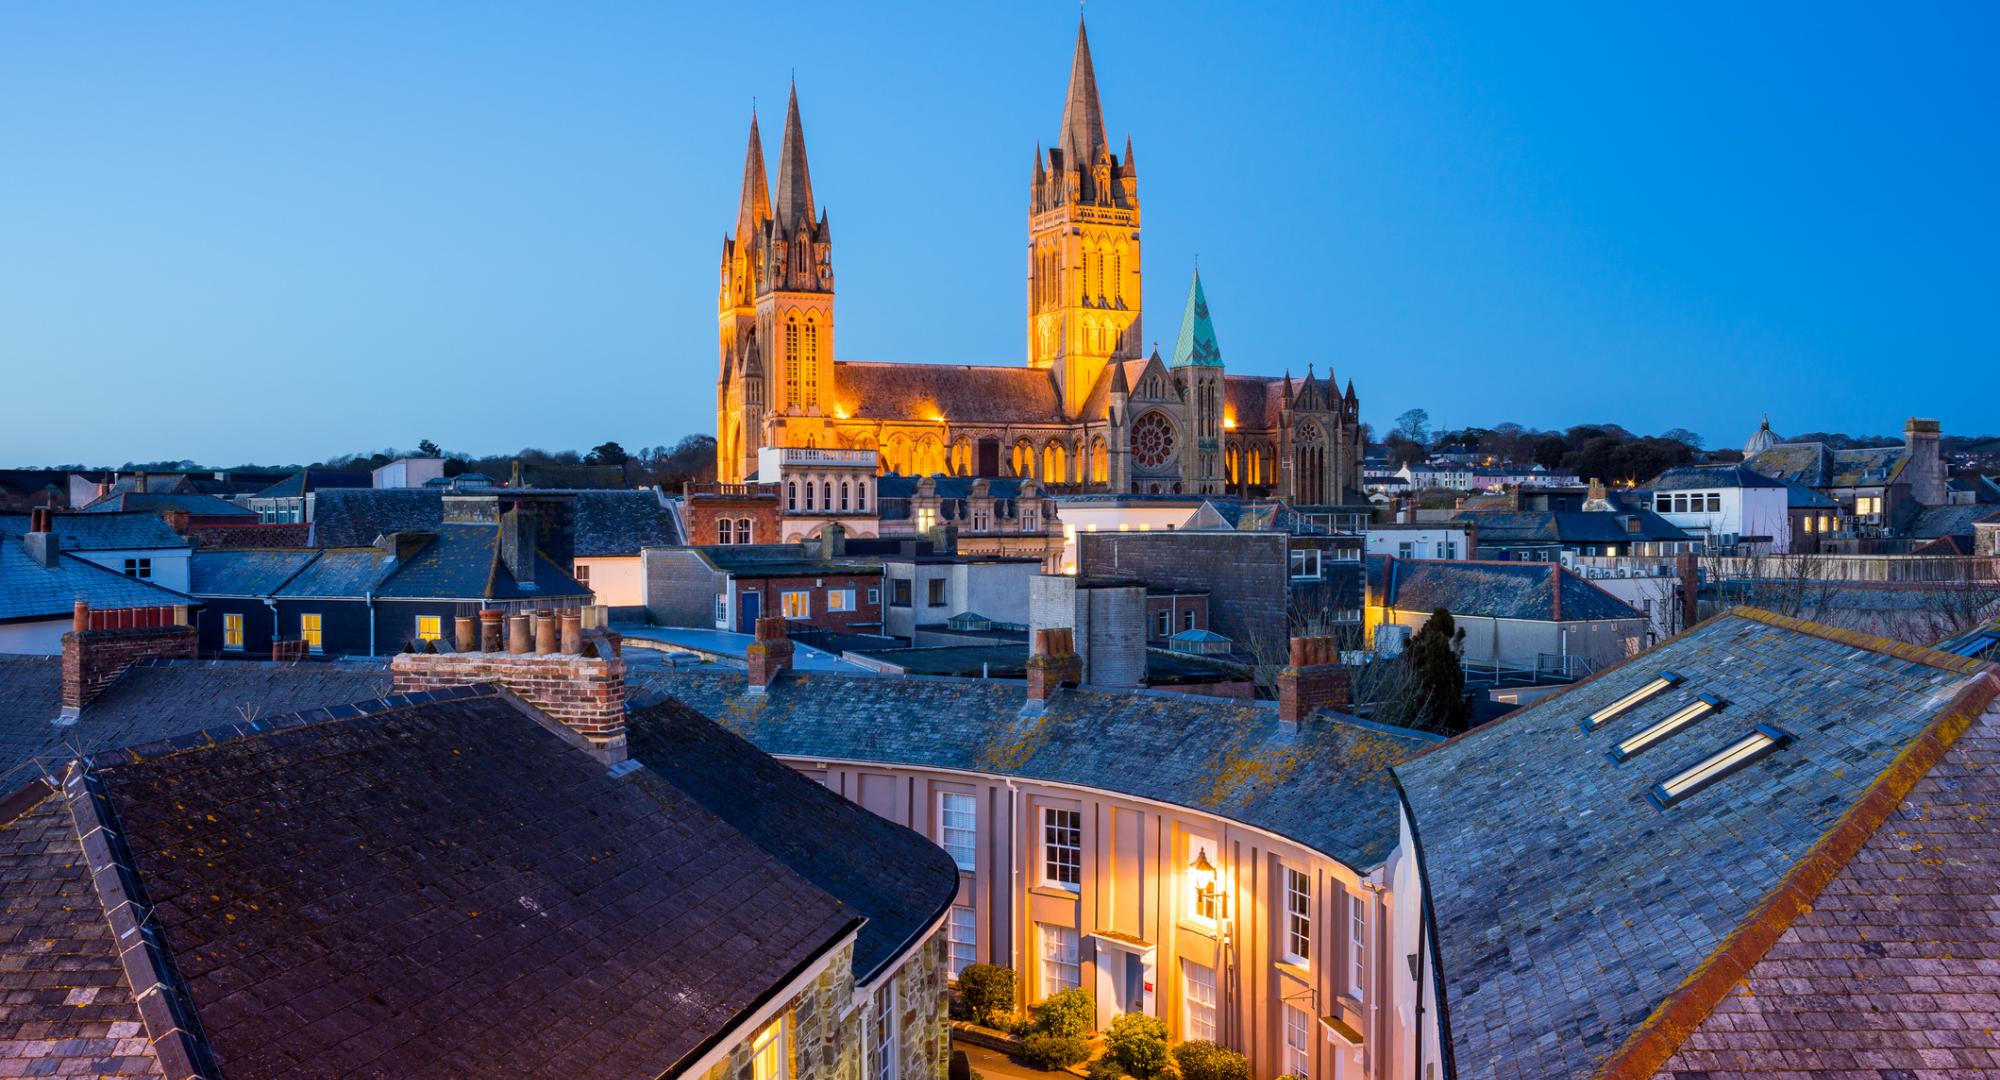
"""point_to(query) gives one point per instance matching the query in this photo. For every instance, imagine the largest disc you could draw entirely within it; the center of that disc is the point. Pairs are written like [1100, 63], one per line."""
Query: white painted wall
[617, 580]
[42, 637]
[173, 568]
[1435, 542]
[1744, 512]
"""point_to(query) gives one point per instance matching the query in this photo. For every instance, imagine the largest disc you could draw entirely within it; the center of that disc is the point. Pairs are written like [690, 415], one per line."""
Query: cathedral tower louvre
[1083, 245]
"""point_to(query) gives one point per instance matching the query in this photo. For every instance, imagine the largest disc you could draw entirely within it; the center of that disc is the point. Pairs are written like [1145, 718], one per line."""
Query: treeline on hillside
[1603, 451]
[690, 459]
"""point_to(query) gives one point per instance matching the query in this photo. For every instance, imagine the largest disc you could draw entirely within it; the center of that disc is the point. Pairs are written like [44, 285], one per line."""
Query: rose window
[1152, 440]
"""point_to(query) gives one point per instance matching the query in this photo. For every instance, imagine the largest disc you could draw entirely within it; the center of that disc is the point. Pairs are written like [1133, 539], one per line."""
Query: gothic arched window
[810, 361]
[791, 361]
[742, 530]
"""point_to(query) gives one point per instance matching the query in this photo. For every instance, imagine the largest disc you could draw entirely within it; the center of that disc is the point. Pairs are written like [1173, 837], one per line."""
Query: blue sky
[263, 231]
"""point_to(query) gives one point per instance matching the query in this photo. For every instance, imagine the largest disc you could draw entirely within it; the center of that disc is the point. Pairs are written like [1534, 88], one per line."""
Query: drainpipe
[1014, 878]
[370, 597]
[273, 605]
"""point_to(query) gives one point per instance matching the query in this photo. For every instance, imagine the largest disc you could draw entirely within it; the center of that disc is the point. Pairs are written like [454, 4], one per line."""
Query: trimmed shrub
[1205, 1060]
[1138, 1043]
[1106, 1069]
[1068, 1013]
[1047, 1050]
[987, 991]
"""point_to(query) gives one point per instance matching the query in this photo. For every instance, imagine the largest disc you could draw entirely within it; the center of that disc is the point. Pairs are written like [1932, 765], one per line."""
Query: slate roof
[1935, 521]
[155, 502]
[1569, 527]
[1800, 497]
[300, 483]
[1816, 465]
[159, 699]
[1568, 909]
[246, 572]
[80, 1019]
[1710, 477]
[621, 523]
[1982, 642]
[102, 531]
[464, 563]
[533, 914]
[1543, 592]
[342, 573]
[1891, 972]
[899, 881]
[1254, 401]
[1223, 757]
[964, 393]
[344, 517]
[29, 590]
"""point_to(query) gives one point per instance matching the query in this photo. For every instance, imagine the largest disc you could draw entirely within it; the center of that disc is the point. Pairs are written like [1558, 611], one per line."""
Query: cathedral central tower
[1083, 245]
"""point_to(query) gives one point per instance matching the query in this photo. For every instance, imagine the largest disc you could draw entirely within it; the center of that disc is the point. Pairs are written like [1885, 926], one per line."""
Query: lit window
[430, 627]
[1631, 700]
[1298, 917]
[139, 568]
[839, 600]
[1682, 717]
[926, 518]
[963, 933]
[768, 1052]
[797, 604]
[958, 828]
[1744, 751]
[309, 631]
[1060, 969]
[232, 631]
[1062, 848]
[1298, 1042]
[1357, 946]
[882, 1032]
[1199, 980]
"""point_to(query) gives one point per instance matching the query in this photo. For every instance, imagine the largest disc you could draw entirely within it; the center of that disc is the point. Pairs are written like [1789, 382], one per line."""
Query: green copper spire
[1197, 341]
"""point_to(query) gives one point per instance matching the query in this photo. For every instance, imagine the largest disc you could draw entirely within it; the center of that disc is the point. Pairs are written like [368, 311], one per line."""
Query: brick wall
[584, 693]
[862, 616]
[91, 659]
[1247, 575]
[700, 513]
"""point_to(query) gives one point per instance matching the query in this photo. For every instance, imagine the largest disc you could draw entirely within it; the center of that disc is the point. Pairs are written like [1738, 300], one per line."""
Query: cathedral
[1089, 410]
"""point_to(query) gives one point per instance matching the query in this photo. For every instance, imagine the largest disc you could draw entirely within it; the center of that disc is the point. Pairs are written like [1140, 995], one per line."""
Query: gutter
[1427, 931]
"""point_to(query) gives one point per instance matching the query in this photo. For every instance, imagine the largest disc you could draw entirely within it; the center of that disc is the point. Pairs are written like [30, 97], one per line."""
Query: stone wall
[585, 693]
[1247, 575]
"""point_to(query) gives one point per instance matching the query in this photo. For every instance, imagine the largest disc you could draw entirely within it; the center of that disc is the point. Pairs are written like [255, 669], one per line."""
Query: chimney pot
[519, 641]
[80, 616]
[572, 632]
[465, 631]
[545, 633]
[490, 622]
[1054, 663]
[1315, 679]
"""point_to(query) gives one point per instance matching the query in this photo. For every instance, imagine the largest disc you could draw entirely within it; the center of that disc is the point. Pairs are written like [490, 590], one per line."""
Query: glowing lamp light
[1202, 872]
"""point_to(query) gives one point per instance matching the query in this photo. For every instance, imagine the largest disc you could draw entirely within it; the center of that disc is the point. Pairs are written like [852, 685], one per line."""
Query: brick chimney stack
[102, 644]
[1054, 663]
[1314, 679]
[581, 687]
[770, 654]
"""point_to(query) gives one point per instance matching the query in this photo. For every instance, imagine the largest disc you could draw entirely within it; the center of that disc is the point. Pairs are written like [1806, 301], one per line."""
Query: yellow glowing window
[767, 1052]
[798, 604]
[1743, 752]
[309, 631]
[430, 627]
[1632, 700]
[1682, 717]
[232, 631]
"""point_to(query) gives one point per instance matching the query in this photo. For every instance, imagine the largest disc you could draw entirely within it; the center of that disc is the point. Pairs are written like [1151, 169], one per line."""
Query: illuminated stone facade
[1091, 409]
[834, 1030]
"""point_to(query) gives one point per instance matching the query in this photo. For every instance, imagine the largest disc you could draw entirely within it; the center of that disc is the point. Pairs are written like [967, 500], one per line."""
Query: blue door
[746, 612]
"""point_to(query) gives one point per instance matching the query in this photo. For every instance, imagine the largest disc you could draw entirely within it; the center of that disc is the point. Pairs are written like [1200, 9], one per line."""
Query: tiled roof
[1799, 497]
[300, 483]
[531, 915]
[246, 573]
[1982, 642]
[159, 699]
[29, 590]
[1892, 970]
[1816, 465]
[1253, 401]
[464, 563]
[1691, 477]
[1222, 757]
[355, 517]
[102, 531]
[65, 1008]
[1568, 908]
[963, 393]
[1570, 527]
[899, 881]
[160, 501]
[274, 534]
[341, 573]
[1935, 521]
[1545, 592]
[621, 523]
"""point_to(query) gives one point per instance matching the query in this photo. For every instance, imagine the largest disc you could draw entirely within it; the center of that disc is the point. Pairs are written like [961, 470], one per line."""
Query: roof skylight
[1737, 755]
[1637, 697]
[1681, 718]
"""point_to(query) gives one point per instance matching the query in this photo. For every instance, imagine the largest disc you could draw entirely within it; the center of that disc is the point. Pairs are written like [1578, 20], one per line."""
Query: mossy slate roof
[1326, 786]
[1568, 907]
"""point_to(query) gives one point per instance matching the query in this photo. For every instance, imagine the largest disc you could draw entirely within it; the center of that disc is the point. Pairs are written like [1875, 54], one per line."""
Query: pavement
[995, 1065]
